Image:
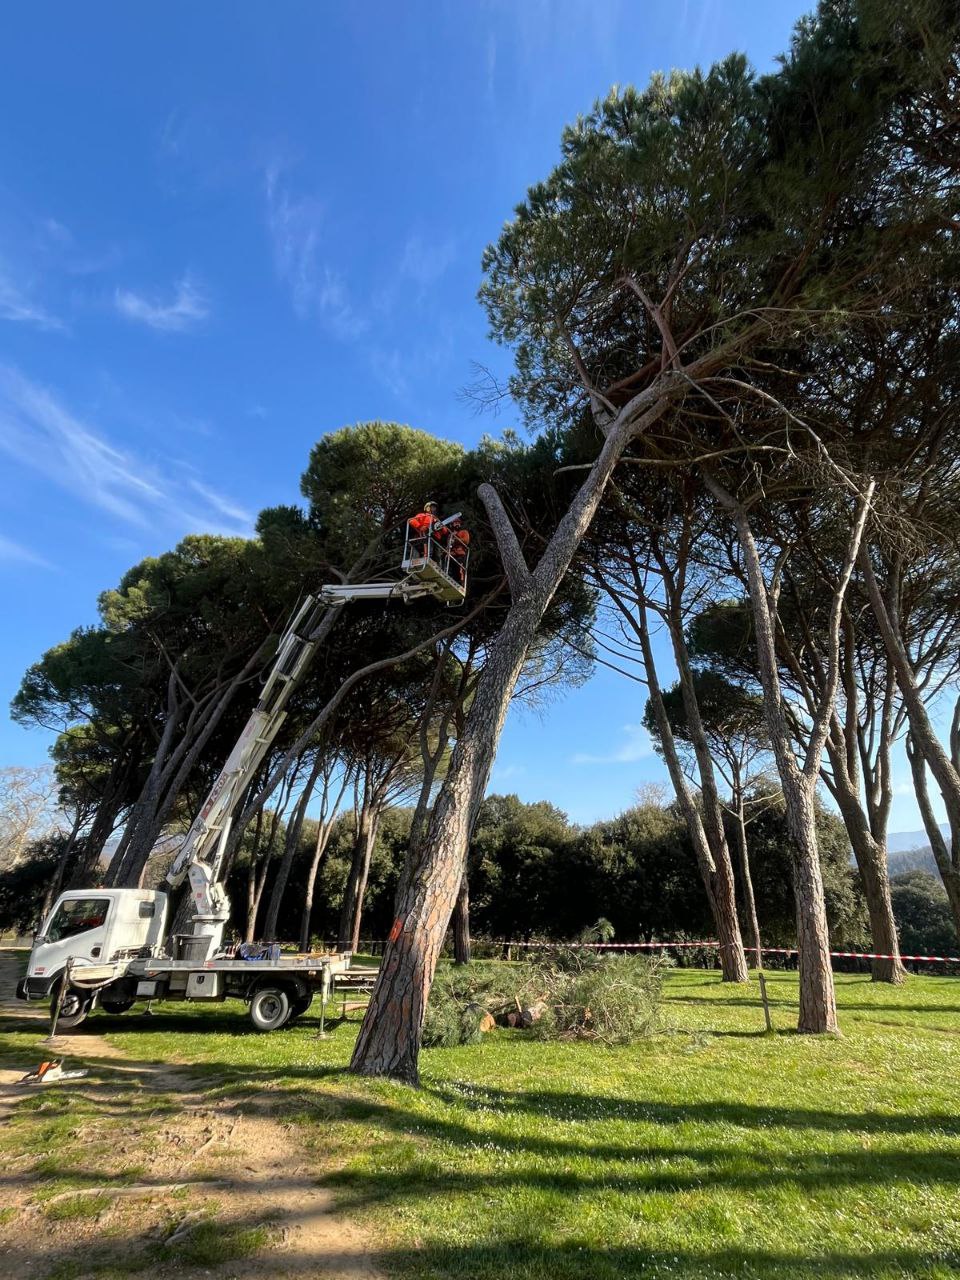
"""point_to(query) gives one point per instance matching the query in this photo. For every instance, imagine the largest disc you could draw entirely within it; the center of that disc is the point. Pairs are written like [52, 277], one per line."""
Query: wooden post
[763, 997]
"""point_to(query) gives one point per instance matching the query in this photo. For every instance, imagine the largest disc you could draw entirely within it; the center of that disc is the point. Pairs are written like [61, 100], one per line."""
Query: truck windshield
[77, 915]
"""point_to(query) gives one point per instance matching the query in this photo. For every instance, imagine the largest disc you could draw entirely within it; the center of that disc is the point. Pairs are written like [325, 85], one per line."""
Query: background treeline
[534, 875]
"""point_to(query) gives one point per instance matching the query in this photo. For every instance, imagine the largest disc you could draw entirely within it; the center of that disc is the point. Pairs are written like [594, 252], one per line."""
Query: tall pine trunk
[351, 912]
[716, 873]
[818, 1008]
[461, 923]
[389, 1040]
[871, 858]
[946, 863]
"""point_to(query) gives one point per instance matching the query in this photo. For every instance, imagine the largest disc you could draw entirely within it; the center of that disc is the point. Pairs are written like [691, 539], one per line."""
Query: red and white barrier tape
[660, 946]
[779, 951]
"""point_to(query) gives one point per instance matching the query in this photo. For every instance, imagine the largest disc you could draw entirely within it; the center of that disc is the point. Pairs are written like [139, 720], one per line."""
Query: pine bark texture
[389, 1040]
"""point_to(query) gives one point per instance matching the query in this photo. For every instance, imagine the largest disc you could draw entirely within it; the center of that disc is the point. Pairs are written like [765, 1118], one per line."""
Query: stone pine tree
[646, 268]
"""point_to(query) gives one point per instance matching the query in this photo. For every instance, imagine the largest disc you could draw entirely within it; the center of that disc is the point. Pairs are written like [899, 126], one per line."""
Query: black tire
[116, 1006]
[300, 1004]
[270, 1008]
[73, 1009]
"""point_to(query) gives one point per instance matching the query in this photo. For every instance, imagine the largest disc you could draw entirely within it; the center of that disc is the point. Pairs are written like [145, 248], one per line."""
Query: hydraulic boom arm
[432, 568]
[201, 856]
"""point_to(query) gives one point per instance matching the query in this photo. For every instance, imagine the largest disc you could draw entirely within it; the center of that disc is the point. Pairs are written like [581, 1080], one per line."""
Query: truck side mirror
[40, 939]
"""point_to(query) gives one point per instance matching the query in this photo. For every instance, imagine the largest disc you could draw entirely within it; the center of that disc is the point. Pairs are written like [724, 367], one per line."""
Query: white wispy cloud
[425, 262]
[636, 745]
[56, 231]
[294, 223]
[16, 553]
[41, 433]
[491, 64]
[225, 506]
[17, 304]
[504, 773]
[188, 308]
[390, 368]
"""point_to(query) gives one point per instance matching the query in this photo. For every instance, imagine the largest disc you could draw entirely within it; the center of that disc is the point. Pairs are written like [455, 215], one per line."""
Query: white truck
[113, 947]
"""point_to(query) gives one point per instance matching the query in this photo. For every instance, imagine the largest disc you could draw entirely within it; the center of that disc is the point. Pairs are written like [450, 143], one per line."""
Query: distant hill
[907, 841]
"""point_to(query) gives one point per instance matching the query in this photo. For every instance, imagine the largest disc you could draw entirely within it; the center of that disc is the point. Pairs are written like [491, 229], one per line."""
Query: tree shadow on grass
[516, 1257]
[593, 1107]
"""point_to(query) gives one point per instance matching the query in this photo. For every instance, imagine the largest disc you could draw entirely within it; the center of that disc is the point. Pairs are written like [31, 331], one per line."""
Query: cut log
[532, 1013]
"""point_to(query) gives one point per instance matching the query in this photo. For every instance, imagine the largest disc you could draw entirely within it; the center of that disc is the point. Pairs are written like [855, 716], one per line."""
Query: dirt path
[159, 1172]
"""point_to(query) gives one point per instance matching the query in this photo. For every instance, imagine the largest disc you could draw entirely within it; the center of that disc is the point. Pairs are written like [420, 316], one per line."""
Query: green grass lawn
[709, 1150]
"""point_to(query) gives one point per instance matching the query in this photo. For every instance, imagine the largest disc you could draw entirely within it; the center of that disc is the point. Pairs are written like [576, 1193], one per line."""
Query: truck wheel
[73, 1009]
[269, 1008]
[300, 1004]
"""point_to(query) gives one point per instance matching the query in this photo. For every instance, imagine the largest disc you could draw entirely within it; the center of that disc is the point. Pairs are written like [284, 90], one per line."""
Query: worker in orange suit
[422, 526]
[459, 543]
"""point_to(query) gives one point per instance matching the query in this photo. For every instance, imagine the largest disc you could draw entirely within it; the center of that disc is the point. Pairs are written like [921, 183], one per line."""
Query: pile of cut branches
[569, 993]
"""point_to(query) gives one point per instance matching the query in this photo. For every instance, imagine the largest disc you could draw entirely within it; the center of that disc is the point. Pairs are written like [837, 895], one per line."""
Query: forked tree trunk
[871, 860]
[716, 873]
[325, 821]
[351, 912]
[389, 1040]
[818, 1007]
[291, 844]
[461, 923]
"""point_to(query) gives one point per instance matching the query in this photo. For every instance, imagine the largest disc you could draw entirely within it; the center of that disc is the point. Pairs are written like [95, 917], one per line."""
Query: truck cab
[90, 926]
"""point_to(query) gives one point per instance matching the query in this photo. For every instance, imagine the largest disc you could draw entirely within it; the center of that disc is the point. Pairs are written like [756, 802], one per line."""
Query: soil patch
[140, 1169]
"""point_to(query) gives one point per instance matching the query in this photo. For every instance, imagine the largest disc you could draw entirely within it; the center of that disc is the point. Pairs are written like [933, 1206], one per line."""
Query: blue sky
[228, 228]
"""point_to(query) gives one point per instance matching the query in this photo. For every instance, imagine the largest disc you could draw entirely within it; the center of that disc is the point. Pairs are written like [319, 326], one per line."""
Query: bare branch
[518, 575]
